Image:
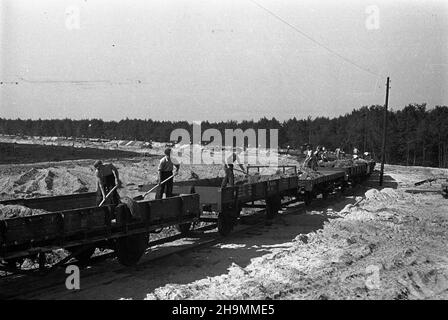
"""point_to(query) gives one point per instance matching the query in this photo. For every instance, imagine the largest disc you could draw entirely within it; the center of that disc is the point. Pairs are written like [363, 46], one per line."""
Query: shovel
[246, 173]
[153, 188]
[108, 195]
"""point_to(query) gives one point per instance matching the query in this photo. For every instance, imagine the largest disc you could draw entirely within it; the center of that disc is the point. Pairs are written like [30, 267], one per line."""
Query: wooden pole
[383, 148]
[158, 185]
[365, 131]
[108, 195]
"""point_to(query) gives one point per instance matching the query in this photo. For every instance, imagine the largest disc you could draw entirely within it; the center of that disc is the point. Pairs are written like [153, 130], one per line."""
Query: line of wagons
[82, 226]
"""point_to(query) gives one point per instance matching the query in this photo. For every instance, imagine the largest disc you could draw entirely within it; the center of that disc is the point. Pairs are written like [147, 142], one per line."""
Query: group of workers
[312, 158]
[108, 179]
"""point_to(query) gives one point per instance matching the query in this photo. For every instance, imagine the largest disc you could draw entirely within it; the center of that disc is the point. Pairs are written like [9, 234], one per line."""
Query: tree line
[416, 135]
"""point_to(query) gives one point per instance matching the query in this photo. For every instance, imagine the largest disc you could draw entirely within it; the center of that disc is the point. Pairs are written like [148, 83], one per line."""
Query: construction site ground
[369, 243]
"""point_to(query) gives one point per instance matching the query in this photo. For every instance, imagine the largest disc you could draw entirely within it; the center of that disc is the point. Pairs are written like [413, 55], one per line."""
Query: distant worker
[367, 156]
[166, 167]
[107, 178]
[323, 155]
[317, 151]
[339, 153]
[308, 150]
[320, 153]
[355, 153]
[229, 178]
[311, 158]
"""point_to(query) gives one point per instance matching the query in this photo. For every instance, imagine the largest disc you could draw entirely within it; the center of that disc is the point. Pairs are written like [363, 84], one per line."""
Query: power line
[315, 41]
[80, 82]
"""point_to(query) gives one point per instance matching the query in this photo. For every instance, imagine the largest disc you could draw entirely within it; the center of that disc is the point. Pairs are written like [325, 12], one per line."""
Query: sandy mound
[38, 182]
[66, 183]
[16, 211]
[387, 247]
[308, 174]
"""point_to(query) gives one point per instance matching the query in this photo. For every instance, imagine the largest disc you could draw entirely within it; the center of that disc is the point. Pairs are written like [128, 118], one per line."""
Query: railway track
[31, 285]
[104, 269]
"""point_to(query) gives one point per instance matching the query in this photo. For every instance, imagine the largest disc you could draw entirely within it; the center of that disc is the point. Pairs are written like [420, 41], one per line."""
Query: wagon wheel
[273, 205]
[82, 253]
[278, 203]
[130, 249]
[343, 187]
[225, 224]
[183, 228]
[308, 197]
[270, 211]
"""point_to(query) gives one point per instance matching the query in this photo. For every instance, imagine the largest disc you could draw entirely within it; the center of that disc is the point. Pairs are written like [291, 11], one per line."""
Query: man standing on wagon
[107, 178]
[229, 178]
[166, 167]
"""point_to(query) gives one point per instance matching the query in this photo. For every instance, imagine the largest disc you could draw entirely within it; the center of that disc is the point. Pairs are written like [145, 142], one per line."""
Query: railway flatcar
[229, 201]
[326, 183]
[81, 226]
[75, 223]
[355, 173]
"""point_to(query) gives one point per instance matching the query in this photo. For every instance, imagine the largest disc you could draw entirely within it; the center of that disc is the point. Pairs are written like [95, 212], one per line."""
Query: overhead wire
[320, 44]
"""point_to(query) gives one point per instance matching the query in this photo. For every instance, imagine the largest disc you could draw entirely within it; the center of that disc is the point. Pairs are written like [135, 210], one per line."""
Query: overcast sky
[218, 59]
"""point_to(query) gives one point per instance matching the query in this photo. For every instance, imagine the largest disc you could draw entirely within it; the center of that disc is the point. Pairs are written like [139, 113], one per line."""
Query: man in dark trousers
[166, 167]
[229, 178]
[107, 178]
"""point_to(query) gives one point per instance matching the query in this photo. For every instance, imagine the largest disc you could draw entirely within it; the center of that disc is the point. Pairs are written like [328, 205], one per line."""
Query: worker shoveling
[166, 177]
[108, 181]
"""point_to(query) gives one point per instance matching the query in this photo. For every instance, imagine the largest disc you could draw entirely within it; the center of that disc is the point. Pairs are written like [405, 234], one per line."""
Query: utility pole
[309, 129]
[365, 131]
[383, 148]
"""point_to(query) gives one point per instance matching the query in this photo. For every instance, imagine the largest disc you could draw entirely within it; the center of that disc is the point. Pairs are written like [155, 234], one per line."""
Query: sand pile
[66, 183]
[388, 246]
[16, 211]
[257, 177]
[308, 174]
[343, 163]
[38, 182]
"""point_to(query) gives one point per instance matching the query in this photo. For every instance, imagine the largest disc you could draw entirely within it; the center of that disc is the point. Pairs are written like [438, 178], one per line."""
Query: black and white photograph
[223, 157]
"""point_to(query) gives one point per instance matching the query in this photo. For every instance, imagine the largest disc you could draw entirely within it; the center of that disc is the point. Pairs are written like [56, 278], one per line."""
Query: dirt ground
[32, 153]
[391, 245]
[369, 244]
